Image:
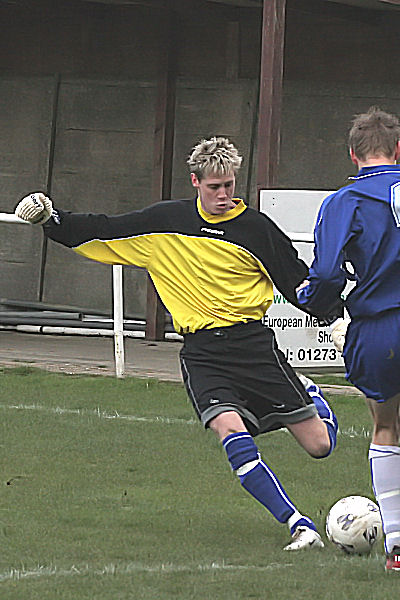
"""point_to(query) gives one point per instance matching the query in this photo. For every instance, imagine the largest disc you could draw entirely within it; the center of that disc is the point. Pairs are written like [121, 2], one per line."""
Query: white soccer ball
[354, 524]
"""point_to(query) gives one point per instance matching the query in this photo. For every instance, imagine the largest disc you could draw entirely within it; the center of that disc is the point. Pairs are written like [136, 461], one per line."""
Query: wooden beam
[163, 156]
[155, 314]
[270, 97]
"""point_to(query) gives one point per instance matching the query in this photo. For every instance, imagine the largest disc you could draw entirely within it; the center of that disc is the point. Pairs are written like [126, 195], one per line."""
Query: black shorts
[240, 368]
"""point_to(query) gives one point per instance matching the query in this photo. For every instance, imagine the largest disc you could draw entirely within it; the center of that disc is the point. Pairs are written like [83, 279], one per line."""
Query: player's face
[216, 193]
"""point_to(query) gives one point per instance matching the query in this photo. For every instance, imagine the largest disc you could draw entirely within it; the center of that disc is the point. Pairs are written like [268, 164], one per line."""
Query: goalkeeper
[360, 224]
[213, 261]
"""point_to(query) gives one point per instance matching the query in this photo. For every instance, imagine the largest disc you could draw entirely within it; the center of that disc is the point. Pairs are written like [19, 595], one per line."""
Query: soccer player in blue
[213, 261]
[359, 225]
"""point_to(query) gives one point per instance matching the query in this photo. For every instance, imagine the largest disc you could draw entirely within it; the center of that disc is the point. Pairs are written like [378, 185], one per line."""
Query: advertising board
[299, 336]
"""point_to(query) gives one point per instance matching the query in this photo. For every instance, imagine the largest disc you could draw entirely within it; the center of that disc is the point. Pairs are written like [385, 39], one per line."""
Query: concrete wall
[338, 62]
[100, 64]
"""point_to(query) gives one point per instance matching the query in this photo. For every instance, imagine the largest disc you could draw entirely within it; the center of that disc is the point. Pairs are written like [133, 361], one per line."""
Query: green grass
[110, 489]
[332, 380]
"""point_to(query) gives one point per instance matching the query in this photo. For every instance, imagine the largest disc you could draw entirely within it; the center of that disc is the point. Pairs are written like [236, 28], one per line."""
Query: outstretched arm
[119, 239]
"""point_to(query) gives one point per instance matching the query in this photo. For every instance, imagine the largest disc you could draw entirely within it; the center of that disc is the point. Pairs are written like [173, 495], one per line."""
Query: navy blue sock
[256, 477]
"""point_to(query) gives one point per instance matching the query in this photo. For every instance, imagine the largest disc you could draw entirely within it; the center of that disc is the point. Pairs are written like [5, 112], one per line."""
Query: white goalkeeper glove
[338, 331]
[35, 208]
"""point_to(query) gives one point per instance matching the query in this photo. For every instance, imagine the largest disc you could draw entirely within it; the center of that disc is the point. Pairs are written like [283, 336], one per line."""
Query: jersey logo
[278, 406]
[208, 230]
[395, 202]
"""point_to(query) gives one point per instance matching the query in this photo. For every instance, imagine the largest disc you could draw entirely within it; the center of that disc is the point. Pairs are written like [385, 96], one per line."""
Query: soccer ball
[354, 524]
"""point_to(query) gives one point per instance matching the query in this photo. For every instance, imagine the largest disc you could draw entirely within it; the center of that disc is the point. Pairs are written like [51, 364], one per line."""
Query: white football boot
[305, 538]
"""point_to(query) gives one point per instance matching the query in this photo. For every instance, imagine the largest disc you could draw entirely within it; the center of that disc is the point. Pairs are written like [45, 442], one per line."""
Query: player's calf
[385, 475]
[260, 481]
[325, 413]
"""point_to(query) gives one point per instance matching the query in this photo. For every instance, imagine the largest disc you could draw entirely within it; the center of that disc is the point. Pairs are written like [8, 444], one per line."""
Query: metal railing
[118, 306]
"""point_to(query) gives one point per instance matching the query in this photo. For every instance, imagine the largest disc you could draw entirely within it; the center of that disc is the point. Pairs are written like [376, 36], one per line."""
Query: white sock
[385, 473]
[296, 516]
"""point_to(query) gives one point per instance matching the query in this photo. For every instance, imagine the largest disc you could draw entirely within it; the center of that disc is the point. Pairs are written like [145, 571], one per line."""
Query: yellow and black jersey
[209, 270]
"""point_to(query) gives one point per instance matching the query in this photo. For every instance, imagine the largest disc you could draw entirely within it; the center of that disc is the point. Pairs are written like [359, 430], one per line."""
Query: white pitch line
[101, 414]
[351, 432]
[129, 568]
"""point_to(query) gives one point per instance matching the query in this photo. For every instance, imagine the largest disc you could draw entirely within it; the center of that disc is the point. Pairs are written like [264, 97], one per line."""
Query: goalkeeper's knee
[325, 412]
[329, 418]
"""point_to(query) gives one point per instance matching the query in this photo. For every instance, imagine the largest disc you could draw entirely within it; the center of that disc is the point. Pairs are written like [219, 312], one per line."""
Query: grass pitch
[111, 489]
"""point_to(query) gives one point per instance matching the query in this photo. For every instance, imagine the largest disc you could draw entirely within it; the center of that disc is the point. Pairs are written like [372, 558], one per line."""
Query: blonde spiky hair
[216, 156]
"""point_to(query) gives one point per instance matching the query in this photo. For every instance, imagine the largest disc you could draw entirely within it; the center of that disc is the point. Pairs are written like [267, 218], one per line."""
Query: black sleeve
[287, 271]
[74, 229]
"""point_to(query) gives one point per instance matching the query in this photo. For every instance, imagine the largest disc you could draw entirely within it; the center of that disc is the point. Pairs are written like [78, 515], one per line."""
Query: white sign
[299, 336]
